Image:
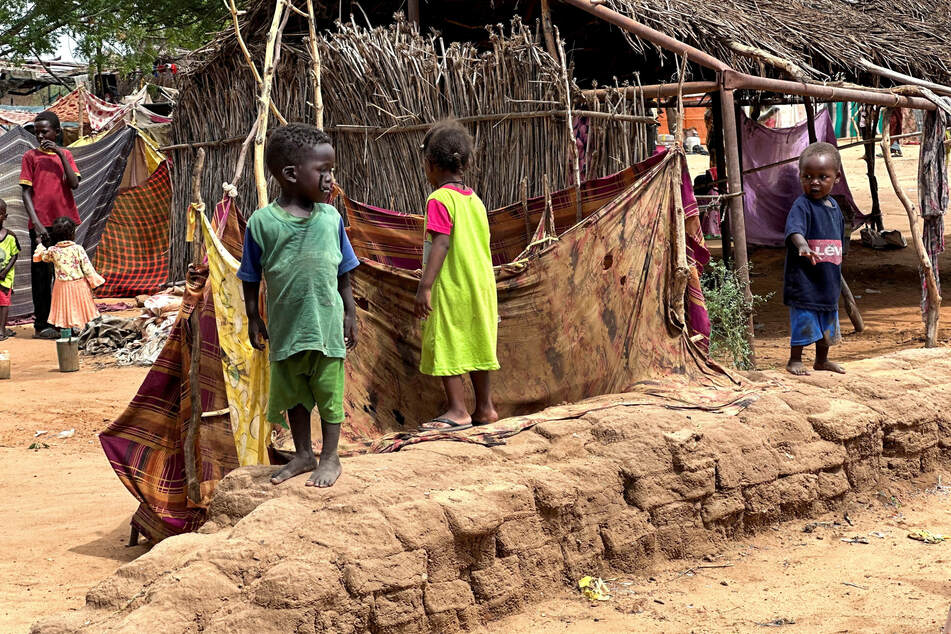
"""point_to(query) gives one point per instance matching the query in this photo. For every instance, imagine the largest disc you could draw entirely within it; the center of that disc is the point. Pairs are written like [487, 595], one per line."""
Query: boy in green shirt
[298, 245]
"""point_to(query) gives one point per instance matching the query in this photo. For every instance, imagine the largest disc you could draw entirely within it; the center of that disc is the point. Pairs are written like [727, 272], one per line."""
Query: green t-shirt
[9, 247]
[300, 260]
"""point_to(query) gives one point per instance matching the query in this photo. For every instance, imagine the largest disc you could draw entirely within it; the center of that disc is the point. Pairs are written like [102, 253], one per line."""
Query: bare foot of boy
[797, 368]
[296, 466]
[326, 472]
[828, 366]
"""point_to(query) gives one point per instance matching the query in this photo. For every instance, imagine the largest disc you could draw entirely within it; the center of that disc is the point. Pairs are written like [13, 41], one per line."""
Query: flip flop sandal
[450, 425]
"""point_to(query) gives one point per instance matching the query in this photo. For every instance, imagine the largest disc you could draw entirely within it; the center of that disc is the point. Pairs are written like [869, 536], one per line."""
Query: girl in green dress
[456, 296]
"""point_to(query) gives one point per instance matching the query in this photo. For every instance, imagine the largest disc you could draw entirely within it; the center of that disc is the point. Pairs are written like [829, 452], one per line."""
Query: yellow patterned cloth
[246, 370]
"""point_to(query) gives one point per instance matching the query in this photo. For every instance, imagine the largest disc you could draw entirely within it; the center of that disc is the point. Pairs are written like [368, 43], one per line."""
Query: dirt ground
[786, 578]
[65, 514]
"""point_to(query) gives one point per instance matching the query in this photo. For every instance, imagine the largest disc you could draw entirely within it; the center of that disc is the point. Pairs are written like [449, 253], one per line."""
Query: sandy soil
[785, 577]
[65, 514]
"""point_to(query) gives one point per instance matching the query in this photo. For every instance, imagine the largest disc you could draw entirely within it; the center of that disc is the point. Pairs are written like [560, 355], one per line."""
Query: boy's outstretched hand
[424, 304]
[813, 257]
[350, 330]
[257, 333]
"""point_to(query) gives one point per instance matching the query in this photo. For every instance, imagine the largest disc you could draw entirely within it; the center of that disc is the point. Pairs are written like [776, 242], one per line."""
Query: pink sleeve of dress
[437, 218]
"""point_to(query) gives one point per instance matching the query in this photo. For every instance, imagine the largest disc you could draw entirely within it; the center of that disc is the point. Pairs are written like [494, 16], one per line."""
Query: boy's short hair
[820, 149]
[50, 117]
[448, 145]
[287, 144]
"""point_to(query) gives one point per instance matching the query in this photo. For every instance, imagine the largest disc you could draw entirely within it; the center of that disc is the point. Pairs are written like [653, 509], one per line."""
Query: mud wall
[444, 536]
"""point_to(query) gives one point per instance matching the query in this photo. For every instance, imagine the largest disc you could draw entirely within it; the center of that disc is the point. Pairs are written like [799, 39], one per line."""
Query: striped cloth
[101, 164]
[145, 444]
[133, 253]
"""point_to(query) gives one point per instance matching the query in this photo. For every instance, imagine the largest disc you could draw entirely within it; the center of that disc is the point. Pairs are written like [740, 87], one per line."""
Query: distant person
[894, 130]
[812, 276]
[48, 176]
[9, 251]
[456, 296]
[72, 305]
[298, 246]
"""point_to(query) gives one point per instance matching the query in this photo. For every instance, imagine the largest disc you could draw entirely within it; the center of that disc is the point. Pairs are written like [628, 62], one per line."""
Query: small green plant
[729, 313]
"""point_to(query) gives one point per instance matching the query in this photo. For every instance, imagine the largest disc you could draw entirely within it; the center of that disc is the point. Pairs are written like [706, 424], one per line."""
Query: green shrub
[729, 313]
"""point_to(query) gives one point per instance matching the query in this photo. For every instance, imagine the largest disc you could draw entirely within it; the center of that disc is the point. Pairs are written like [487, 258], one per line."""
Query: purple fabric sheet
[768, 195]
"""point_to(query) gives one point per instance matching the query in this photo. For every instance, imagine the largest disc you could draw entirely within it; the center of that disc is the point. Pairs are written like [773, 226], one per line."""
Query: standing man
[48, 177]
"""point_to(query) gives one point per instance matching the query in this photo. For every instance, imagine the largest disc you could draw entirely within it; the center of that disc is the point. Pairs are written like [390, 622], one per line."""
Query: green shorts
[310, 379]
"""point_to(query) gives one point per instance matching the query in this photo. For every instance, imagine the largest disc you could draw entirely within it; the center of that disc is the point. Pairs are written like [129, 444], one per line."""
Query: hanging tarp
[101, 165]
[769, 193]
[588, 314]
[133, 252]
[145, 444]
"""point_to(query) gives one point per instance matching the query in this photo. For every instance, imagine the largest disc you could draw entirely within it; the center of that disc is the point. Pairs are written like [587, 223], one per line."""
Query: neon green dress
[459, 336]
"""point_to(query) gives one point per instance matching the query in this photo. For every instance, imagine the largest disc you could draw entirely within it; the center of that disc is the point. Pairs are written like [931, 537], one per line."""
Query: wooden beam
[192, 483]
[548, 30]
[810, 119]
[933, 298]
[264, 102]
[887, 73]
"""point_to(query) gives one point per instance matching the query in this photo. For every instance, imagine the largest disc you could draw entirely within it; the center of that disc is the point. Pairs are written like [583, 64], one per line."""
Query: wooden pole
[679, 135]
[260, 174]
[82, 109]
[810, 119]
[933, 298]
[548, 29]
[720, 161]
[194, 371]
[737, 221]
[528, 223]
[851, 308]
[243, 154]
[315, 60]
[575, 161]
[233, 9]
[412, 10]
[681, 267]
[868, 133]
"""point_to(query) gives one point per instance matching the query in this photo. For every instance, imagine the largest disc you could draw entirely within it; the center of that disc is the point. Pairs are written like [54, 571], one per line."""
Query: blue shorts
[809, 326]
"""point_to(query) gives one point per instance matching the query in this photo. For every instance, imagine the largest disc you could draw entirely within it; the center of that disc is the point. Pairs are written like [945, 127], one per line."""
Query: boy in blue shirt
[812, 275]
[298, 245]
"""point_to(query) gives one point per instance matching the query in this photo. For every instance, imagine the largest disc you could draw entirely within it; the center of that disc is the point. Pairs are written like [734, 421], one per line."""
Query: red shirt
[52, 197]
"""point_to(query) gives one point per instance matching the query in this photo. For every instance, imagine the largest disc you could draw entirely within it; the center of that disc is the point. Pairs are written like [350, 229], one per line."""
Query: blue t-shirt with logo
[807, 286]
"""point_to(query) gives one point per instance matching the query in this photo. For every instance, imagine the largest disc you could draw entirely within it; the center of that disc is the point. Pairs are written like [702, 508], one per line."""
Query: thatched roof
[831, 36]
[826, 38]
